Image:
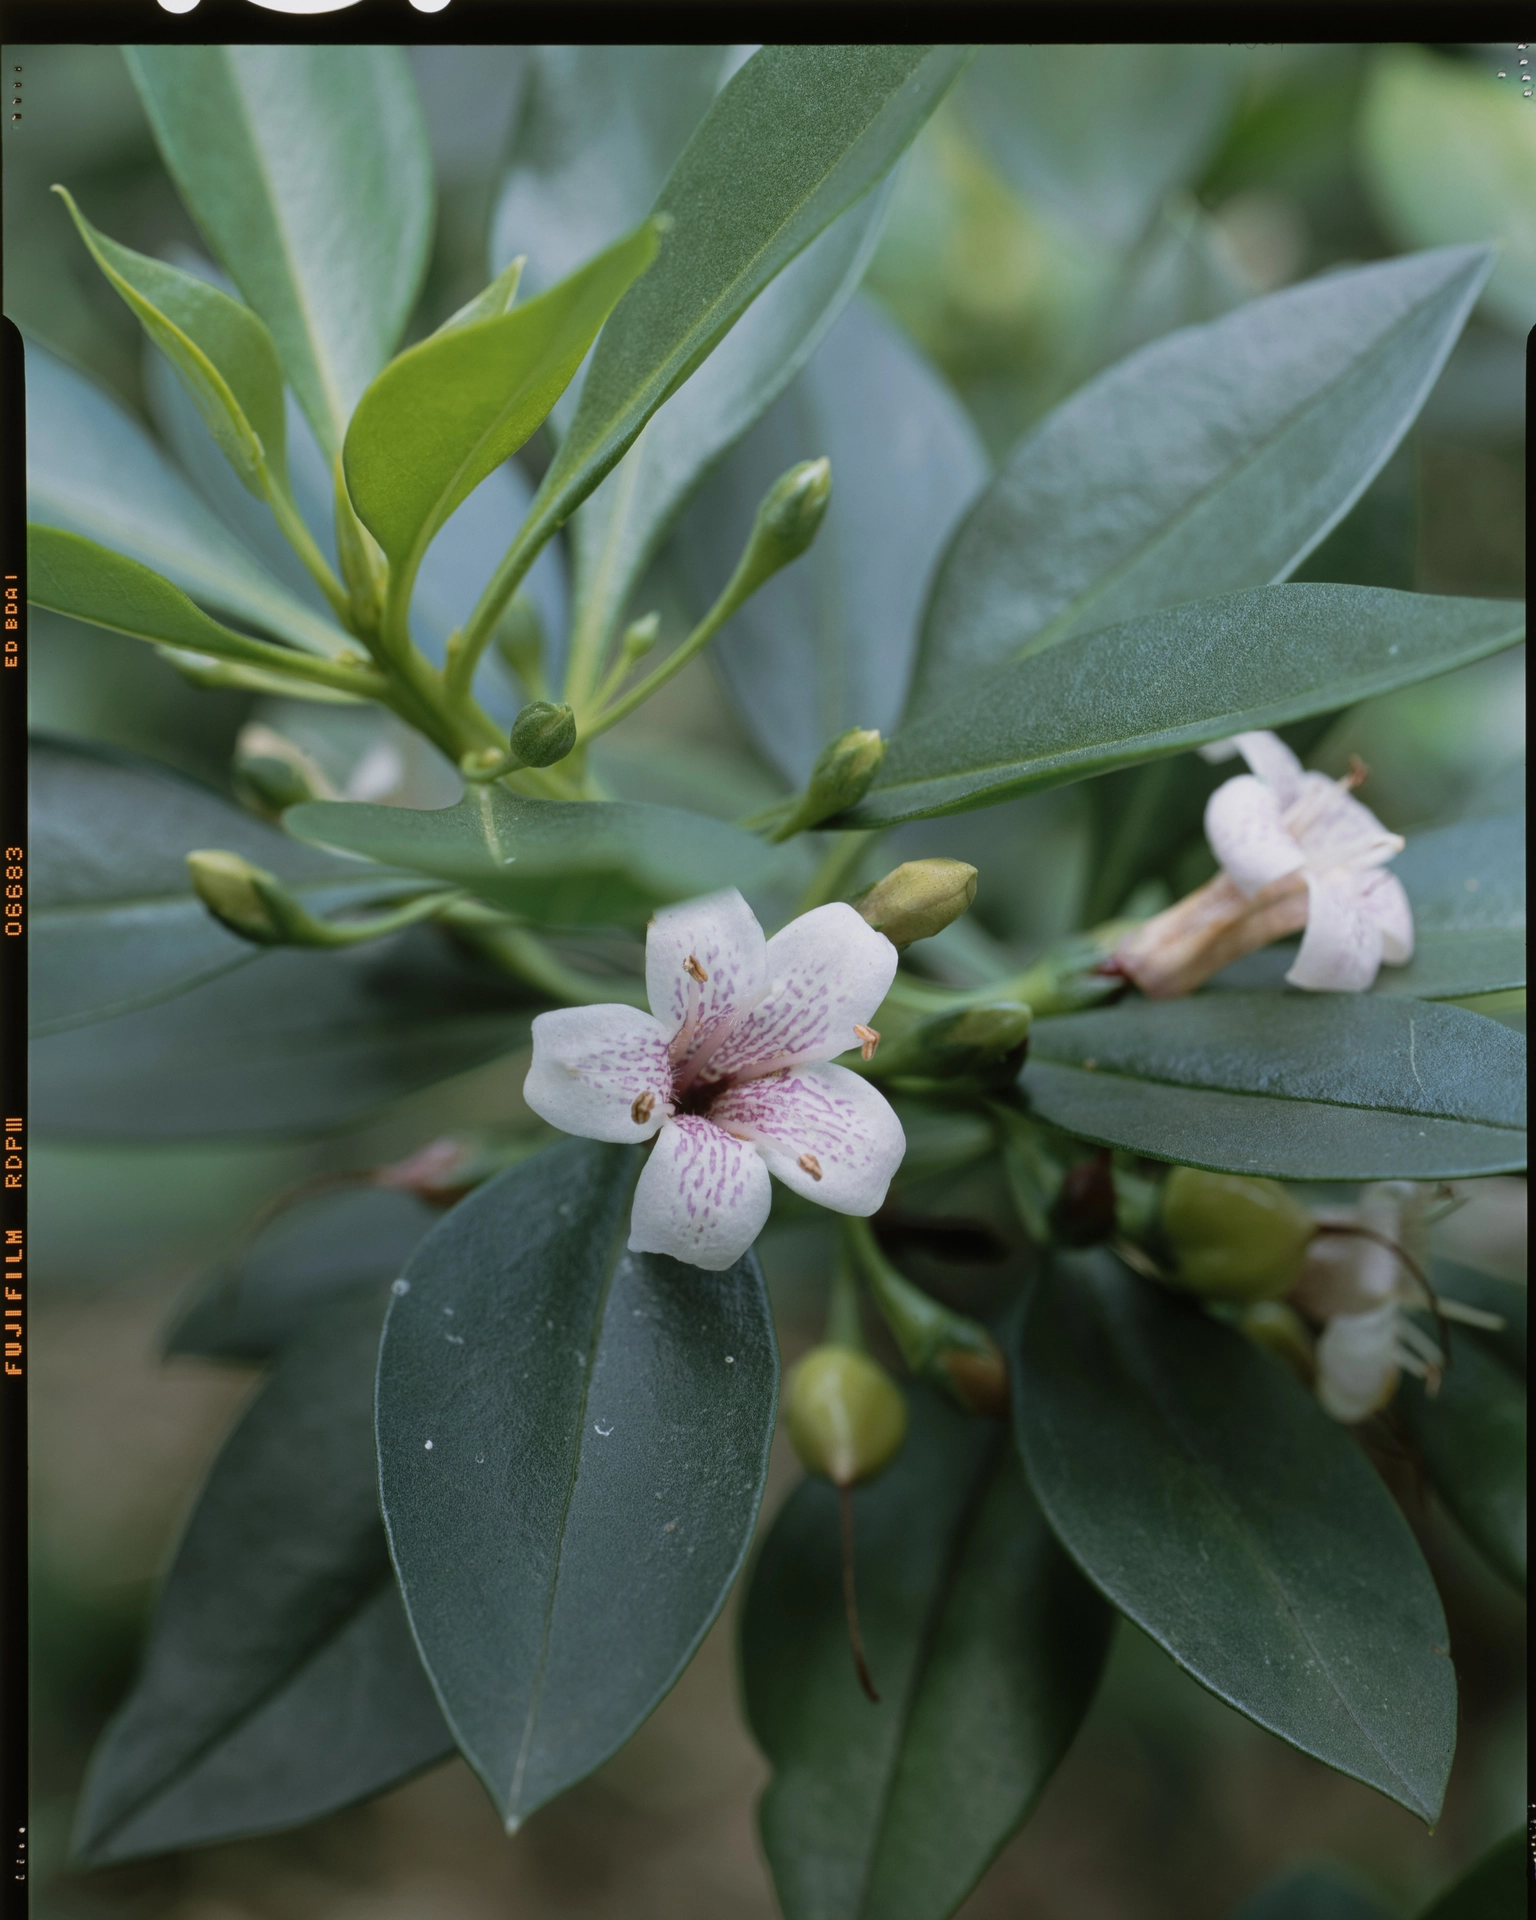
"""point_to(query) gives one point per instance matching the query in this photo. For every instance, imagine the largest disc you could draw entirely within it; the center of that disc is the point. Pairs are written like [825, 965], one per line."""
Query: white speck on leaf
[598, 1427]
[454, 1339]
[400, 1286]
[429, 1446]
[730, 1359]
[448, 1311]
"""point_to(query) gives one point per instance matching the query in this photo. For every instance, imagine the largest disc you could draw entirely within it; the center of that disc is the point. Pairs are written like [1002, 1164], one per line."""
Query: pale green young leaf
[222, 353]
[1205, 1493]
[1213, 460]
[448, 411]
[563, 1426]
[308, 172]
[1302, 1086]
[493, 301]
[1171, 680]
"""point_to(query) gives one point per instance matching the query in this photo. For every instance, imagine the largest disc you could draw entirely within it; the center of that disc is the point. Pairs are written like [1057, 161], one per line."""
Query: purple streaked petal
[823, 1131]
[720, 935]
[1342, 946]
[1243, 824]
[827, 972]
[703, 1196]
[602, 1072]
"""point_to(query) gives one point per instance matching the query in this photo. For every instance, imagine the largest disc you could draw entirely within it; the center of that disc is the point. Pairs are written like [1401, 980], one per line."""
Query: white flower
[729, 1072]
[1297, 851]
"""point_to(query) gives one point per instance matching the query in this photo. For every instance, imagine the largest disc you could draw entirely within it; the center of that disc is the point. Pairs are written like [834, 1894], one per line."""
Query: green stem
[332, 933]
[295, 530]
[844, 1326]
[525, 956]
[475, 634]
[837, 863]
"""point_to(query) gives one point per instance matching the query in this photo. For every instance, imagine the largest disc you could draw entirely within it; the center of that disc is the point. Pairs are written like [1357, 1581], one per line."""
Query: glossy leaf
[279, 1682]
[800, 134]
[1042, 116]
[93, 470]
[324, 1246]
[572, 1446]
[1302, 1086]
[1495, 1889]
[294, 1043]
[1213, 460]
[114, 921]
[828, 643]
[1466, 883]
[586, 863]
[1204, 1492]
[448, 411]
[618, 529]
[249, 134]
[69, 574]
[984, 1641]
[222, 353]
[598, 130]
[1170, 680]
[1470, 1435]
[1449, 153]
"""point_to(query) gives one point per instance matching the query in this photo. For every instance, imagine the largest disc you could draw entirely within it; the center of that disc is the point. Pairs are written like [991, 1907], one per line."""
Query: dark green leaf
[306, 167]
[986, 1646]
[1213, 460]
[1497, 1888]
[1204, 1492]
[572, 1444]
[1506, 1298]
[294, 1043]
[114, 921]
[1041, 114]
[1302, 1086]
[590, 863]
[221, 351]
[444, 415]
[1313, 1893]
[828, 643]
[1470, 1435]
[1170, 680]
[800, 134]
[94, 470]
[264, 1293]
[1466, 883]
[279, 1682]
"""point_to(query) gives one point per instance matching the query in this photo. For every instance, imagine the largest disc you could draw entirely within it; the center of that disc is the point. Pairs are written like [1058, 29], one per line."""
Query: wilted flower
[729, 1072]
[1297, 851]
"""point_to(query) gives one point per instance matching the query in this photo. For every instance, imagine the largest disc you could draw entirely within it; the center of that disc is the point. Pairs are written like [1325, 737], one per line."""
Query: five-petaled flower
[729, 1071]
[1297, 851]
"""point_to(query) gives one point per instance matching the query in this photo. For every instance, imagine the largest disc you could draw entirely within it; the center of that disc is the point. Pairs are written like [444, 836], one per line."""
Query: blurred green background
[1063, 207]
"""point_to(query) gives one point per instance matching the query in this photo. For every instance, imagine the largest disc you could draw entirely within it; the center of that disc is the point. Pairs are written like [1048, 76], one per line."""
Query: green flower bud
[918, 899]
[543, 733]
[846, 1415]
[789, 518]
[270, 774]
[239, 895]
[951, 1351]
[1234, 1237]
[519, 639]
[985, 1041]
[839, 780]
[640, 636]
[364, 570]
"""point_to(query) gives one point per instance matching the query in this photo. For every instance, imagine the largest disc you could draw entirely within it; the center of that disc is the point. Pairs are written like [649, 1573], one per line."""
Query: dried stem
[850, 1598]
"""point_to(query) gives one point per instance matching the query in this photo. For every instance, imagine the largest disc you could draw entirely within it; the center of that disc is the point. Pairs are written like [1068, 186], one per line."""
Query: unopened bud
[640, 635]
[839, 779]
[364, 570]
[519, 639]
[239, 895]
[270, 774]
[918, 899]
[846, 1415]
[788, 520]
[948, 1349]
[1083, 1212]
[1234, 1237]
[543, 733]
[986, 1041]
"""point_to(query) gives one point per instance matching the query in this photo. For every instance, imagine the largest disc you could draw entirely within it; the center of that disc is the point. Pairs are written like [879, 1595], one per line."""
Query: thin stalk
[295, 530]
[851, 1598]
[529, 542]
[837, 863]
[522, 954]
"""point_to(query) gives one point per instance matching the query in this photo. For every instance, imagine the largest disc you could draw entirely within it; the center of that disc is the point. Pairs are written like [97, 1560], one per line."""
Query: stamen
[644, 1106]
[1357, 776]
[692, 967]
[810, 1164]
[869, 1040]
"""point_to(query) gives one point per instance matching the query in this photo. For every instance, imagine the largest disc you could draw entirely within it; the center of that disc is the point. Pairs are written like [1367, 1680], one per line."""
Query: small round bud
[839, 780]
[543, 733]
[238, 894]
[640, 635]
[918, 899]
[792, 511]
[846, 1415]
[1234, 1237]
